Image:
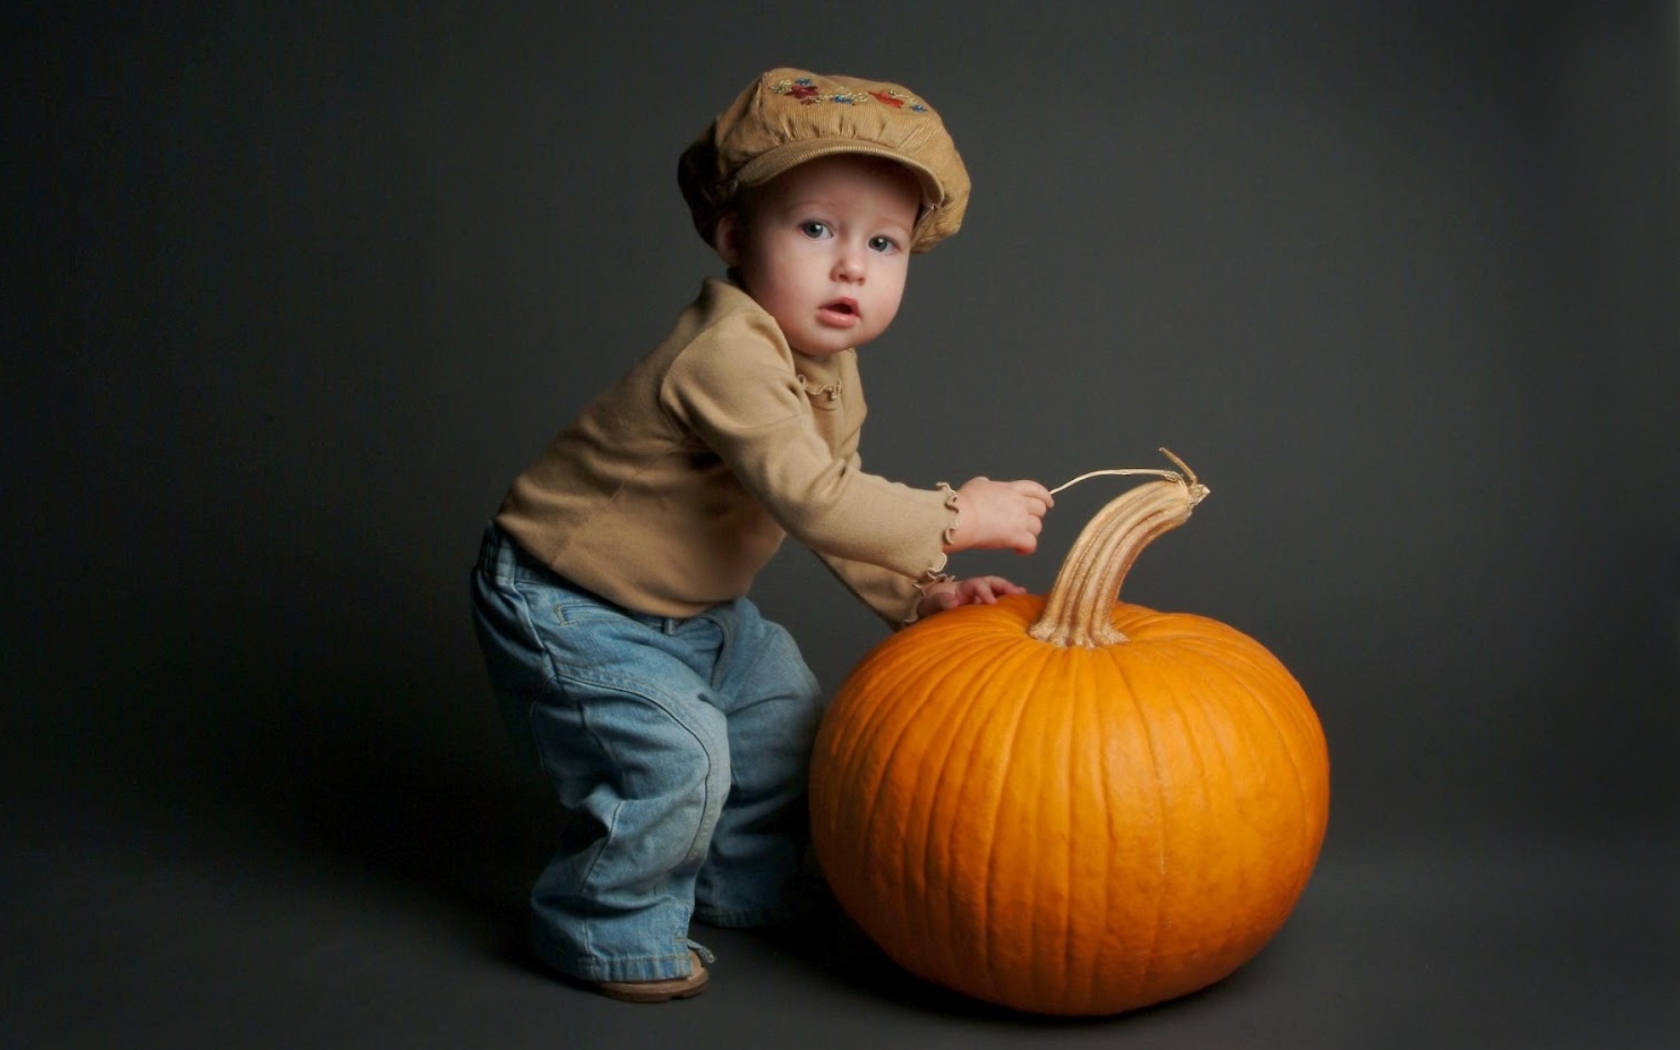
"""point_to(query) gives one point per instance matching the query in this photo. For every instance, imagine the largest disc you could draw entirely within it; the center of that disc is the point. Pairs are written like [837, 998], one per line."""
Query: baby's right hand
[1000, 514]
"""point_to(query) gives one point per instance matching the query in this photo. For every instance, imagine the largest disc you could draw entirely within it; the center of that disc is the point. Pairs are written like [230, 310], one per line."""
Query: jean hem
[634, 968]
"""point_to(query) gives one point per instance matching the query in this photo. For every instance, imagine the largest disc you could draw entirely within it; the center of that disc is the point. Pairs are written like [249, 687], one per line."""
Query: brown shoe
[658, 991]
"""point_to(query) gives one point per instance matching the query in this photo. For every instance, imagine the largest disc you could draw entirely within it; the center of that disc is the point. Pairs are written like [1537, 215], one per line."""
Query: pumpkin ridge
[1051, 732]
[887, 673]
[1005, 761]
[914, 699]
[1106, 948]
[1197, 689]
[1306, 829]
[1256, 662]
[1177, 696]
[1262, 711]
[1118, 655]
[983, 715]
[1080, 958]
[1304, 726]
[1290, 742]
[911, 840]
[948, 732]
[871, 679]
[1190, 702]
[862, 689]
[889, 735]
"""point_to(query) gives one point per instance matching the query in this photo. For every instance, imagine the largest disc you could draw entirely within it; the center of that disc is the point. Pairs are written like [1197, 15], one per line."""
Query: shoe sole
[658, 991]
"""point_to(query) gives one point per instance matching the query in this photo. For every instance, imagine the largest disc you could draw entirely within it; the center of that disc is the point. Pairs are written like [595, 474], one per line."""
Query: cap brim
[774, 162]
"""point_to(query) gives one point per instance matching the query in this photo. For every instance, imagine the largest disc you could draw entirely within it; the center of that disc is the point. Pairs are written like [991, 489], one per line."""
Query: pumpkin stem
[1079, 610]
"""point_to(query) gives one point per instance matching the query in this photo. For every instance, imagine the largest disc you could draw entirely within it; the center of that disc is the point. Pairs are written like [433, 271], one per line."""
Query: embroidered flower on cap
[805, 90]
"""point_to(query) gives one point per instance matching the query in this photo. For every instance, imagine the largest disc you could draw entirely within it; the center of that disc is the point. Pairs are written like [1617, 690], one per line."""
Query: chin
[821, 346]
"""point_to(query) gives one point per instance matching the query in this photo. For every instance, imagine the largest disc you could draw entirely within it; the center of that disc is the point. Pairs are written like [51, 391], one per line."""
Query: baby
[610, 598]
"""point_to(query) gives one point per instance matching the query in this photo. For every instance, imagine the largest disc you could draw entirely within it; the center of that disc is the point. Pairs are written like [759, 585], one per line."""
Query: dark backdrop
[292, 292]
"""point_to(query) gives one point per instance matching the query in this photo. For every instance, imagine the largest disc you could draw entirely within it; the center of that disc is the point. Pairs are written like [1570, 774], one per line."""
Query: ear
[727, 238]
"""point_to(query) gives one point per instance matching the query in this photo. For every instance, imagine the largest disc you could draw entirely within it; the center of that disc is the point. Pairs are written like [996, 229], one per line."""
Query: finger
[1036, 491]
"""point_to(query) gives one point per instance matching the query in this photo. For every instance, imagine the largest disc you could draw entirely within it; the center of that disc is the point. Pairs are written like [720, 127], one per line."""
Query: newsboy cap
[789, 116]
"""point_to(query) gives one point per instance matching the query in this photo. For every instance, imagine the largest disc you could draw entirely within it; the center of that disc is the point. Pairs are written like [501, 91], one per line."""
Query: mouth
[842, 312]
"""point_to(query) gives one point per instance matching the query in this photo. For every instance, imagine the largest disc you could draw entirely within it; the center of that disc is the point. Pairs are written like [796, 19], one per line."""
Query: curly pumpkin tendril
[1078, 610]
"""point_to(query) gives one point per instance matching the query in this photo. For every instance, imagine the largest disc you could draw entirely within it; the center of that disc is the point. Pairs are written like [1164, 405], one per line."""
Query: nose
[850, 263]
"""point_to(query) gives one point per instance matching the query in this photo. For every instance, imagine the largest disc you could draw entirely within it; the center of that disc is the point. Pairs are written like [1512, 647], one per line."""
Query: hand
[1000, 514]
[976, 590]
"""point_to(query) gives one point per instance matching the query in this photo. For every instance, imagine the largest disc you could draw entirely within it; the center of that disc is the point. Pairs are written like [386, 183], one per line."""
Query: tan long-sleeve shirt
[675, 486]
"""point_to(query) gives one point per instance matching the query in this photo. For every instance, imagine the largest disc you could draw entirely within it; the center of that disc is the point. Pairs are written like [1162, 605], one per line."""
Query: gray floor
[390, 917]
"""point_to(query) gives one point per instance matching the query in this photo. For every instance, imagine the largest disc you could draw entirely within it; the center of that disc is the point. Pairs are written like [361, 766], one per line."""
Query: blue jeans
[679, 749]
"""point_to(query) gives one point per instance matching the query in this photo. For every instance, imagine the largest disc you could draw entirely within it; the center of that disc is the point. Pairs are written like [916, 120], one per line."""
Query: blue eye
[885, 245]
[813, 229]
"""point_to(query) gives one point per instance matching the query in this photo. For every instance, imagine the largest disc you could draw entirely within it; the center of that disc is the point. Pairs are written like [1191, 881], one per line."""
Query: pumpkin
[1069, 804]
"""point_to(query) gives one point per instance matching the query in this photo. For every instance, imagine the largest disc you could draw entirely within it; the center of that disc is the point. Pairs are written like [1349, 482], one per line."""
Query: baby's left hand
[976, 590]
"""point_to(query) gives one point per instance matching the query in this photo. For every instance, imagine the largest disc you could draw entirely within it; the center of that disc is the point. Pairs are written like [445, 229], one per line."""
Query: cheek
[891, 294]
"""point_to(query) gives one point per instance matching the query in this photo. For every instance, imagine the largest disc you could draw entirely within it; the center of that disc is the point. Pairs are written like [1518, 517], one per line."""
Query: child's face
[825, 249]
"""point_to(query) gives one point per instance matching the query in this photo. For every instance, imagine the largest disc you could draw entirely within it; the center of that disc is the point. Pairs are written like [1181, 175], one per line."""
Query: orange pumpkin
[1069, 805]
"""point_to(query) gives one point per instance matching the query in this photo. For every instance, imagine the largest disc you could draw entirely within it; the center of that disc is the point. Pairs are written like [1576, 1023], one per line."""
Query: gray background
[293, 291]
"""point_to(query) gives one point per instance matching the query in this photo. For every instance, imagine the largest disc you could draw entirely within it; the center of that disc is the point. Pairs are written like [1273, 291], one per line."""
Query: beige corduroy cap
[788, 116]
